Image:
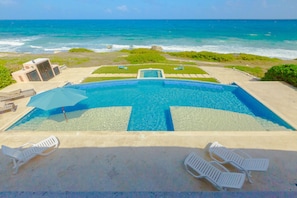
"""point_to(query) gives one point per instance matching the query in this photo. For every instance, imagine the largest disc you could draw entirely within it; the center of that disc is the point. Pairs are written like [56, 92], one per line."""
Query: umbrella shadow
[69, 115]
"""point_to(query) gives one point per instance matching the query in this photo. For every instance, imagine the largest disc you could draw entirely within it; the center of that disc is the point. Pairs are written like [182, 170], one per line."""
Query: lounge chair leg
[15, 171]
[249, 178]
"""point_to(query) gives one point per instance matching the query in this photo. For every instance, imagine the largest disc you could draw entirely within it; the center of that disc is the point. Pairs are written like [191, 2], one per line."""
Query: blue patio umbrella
[57, 98]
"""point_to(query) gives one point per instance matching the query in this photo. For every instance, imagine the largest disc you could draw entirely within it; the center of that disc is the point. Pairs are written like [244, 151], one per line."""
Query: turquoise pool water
[150, 73]
[159, 105]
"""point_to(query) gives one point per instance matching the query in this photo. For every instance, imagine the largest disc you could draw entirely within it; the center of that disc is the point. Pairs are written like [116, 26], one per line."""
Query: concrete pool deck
[146, 164]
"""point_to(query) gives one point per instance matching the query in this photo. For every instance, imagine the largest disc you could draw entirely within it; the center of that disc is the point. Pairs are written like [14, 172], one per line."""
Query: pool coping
[150, 69]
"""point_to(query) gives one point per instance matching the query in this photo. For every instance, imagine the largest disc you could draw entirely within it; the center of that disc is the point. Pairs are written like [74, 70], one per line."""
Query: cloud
[122, 8]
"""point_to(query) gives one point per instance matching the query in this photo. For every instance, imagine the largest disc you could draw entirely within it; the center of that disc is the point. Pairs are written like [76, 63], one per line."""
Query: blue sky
[148, 9]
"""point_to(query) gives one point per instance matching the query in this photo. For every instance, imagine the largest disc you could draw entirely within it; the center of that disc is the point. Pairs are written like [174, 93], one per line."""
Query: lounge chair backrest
[16, 94]
[22, 155]
[29, 92]
[224, 153]
[18, 91]
[12, 152]
[2, 104]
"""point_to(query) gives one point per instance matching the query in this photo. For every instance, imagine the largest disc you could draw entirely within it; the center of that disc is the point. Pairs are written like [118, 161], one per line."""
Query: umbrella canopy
[58, 97]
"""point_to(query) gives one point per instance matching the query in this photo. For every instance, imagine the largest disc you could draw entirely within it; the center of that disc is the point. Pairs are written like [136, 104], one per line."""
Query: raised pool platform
[150, 73]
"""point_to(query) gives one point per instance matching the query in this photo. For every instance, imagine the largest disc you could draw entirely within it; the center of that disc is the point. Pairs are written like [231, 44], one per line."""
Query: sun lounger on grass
[212, 171]
[22, 155]
[5, 107]
[239, 159]
[122, 67]
[179, 68]
[16, 94]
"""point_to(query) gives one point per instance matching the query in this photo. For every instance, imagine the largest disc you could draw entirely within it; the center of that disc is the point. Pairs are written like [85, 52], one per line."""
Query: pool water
[150, 73]
[158, 105]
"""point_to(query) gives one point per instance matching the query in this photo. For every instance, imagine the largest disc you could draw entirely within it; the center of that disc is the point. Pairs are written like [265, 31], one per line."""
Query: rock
[157, 48]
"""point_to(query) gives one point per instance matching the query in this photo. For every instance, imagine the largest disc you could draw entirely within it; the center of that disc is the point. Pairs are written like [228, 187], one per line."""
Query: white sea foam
[57, 49]
[11, 42]
[33, 44]
[36, 47]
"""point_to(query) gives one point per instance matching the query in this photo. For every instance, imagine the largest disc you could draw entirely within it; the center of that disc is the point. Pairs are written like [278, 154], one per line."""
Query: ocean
[272, 38]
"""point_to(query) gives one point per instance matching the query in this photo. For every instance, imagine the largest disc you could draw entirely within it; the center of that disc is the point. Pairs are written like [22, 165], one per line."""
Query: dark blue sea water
[274, 38]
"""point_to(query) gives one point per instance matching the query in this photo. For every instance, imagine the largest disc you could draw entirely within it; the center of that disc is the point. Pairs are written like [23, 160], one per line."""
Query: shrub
[217, 57]
[80, 50]
[145, 58]
[5, 77]
[142, 55]
[204, 56]
[251, 57]
[287, 73]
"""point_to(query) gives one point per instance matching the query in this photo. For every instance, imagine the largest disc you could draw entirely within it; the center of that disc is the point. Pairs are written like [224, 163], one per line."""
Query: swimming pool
[150, 73]
[158, 105]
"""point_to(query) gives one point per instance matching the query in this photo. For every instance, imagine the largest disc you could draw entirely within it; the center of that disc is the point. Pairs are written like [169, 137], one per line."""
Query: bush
[204, 56]
[142, 55]
[251, 57]
[5, 77]
[287, 73]
[80, 50]
[217, 57]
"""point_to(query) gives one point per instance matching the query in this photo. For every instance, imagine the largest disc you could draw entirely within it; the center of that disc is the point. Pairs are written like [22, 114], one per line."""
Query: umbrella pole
[63, 110]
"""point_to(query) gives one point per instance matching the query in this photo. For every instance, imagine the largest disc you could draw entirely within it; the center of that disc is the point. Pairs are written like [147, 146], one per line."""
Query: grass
[133, 69]
[98, 79]
[198, 79]
[86, 58]
[169, 69]
[255, 71]
[218, 57]
[79, 50]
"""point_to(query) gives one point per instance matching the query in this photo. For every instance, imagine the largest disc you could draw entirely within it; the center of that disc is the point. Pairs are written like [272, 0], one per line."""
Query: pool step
[271, 126]
[29, 126]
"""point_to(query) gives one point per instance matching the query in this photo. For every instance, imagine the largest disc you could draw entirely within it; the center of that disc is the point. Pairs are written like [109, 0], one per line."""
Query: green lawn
[133, 69]
[255, 71]
[97, 79]
[168, 69]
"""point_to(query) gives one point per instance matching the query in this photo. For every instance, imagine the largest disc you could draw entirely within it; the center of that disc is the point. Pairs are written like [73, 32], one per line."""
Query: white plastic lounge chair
[5, 107]
[179, 68]
[221, 179]
[122, 67]
[239, 159]
[16, 94]
[22, 155]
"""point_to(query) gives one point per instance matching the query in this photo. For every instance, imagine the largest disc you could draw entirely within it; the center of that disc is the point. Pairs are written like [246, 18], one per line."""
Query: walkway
[166, 75]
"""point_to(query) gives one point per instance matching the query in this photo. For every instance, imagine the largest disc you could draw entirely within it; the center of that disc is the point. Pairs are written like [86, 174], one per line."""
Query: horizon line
[154, 19]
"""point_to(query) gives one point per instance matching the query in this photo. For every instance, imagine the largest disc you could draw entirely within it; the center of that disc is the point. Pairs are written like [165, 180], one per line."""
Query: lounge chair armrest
[49, 152]
[25, 145]
[191, 173]
[215, 163]
[242, 153]
[217, 160]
